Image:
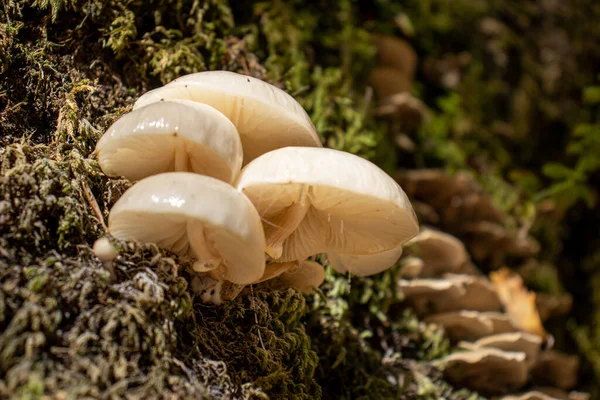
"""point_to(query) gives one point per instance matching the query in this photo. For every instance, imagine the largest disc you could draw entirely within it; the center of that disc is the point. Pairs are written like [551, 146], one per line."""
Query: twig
[255, 317]
[245, 66]
[89, 196]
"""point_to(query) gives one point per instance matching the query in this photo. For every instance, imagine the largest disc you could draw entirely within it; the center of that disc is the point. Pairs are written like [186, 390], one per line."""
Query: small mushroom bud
[106, 252]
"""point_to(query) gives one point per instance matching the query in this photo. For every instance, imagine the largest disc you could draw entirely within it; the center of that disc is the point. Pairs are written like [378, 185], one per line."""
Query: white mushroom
[364, 265]
[107, 253]
[305, 277]
[104, 250]
[197, 216]
[316, 201]
[265, 116]
[274, 269]
[171, 136]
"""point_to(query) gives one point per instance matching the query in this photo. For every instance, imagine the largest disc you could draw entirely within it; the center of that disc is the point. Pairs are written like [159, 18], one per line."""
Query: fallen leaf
[519, 302]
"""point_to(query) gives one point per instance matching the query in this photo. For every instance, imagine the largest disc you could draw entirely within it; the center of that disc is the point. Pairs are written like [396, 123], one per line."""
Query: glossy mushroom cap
[365, 265]
[171, 136]
[317, 200]
[197, 216]
[265, 116]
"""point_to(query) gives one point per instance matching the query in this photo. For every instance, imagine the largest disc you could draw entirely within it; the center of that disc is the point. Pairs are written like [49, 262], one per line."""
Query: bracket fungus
[514, 341]
[439, 251]
[453, 293]
[487, 370]
[557, 369]
[538, 394]
[197, 216]
[316, 201]
[265, 116]
[472, 325]
[171, 136]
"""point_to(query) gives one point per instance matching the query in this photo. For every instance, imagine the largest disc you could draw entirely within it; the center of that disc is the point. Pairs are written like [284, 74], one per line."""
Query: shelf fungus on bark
[487, 370]
[557, 369]
[408, 112]
[314, 201]
[472, 325]
[266, 117]
[451, 293]
[196, 216]
[441, 253]
[545, 393]
[514, 341]
[176, 135]
[460, 206]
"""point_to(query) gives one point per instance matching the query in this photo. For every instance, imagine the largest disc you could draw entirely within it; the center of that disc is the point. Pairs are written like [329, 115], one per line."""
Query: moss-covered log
[504, 84]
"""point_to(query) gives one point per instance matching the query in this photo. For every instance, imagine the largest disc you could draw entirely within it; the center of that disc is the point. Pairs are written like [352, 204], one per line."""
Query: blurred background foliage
[513, 90]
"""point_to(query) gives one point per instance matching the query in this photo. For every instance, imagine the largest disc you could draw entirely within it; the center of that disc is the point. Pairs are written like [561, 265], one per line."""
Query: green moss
[70, 68]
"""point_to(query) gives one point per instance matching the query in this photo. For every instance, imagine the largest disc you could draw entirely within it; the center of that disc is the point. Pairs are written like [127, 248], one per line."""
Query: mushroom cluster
[231, 173]
[493, 323]
[457, 204]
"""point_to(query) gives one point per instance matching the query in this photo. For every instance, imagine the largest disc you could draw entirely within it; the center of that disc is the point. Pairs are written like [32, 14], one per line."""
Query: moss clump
[370, 346]
[67, 328]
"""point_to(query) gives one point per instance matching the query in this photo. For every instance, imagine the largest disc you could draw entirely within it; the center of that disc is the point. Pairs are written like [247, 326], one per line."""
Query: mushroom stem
[206, 260]
[182, 158]
[281, 227]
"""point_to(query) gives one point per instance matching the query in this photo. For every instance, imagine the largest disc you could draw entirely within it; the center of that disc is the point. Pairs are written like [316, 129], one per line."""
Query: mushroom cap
[354, 206]
[439, 251]
[192, 214]
[274, 269]
[487, 370]
[364, 265]
[105, 250]
[305, 278]
[265, 116]
[169, 136]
